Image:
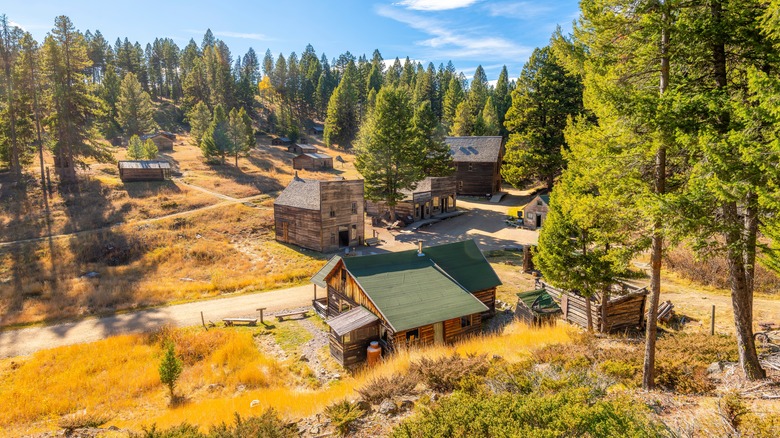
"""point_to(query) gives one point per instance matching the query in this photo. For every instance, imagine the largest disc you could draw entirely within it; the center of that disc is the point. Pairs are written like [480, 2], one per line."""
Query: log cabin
[312, 161]
[298, 148]
[316, 130]
[163, 140]
[281, 141]
[431, 196]
[535, 212]
[319, 215]
[432, 295]
[144, 170]
[477, 162]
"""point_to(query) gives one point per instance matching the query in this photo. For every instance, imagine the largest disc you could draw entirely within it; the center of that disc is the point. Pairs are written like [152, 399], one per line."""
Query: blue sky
[468, 32]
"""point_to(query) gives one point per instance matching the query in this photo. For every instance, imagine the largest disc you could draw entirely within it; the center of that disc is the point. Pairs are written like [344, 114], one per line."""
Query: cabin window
[346, 338]
[539, 203]
[471, 167]
[435, 201]
[412, 336]
[345, 306]
[465, 321]
[343, 275]
[332, 212]
[383, 333]
[460, 185]
[354, 208]
[354, 232]
[529, 215]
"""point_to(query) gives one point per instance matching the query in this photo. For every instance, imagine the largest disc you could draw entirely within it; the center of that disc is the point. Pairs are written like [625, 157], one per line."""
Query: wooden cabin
[163, 140]
[477, 162]
[535, 212]
[625, 307]
[320, 215]
[144, 170]
[316, 130]
[432, 295]
[298, 148]
[537, 308]
[430, 197]
[281, 141]
[313, 161]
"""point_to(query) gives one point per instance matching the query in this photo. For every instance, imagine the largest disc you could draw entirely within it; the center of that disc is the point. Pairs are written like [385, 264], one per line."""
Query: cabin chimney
[419, 249]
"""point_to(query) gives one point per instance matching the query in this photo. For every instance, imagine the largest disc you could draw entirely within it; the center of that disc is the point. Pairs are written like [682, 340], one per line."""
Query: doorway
[343, 236]
[538, 220]
[438, 333]
[285, 231]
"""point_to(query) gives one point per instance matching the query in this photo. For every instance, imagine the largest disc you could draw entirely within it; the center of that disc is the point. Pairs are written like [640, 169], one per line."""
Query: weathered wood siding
[304, 227]
[488, 298]
[528, 316]
[306, 162]
[130, 175]
[352, 353]
[348, 291]
[453, 331]
[163, 143]
[622, 312]
[477, 179]
[534, 210]
[341, 206]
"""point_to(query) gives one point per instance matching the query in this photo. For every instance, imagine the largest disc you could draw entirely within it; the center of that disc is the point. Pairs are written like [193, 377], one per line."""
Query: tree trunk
[604, 301]
[589, 314]
[656, 255]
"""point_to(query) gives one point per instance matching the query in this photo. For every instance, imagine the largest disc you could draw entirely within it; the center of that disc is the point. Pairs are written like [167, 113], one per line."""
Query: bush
[266, 425]
[445, 373]
[82, 419]
[342, 414]
[380, 388]
[618, 369]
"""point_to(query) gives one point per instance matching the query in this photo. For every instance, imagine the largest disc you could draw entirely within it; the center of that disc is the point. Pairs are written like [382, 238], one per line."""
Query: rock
[336, 376]
[387, 407]
[214, 387]
[186, 279]
[314, 430]
[241, 388]
[715, 367]
[254, 403]
[91, 274]
[406, 405]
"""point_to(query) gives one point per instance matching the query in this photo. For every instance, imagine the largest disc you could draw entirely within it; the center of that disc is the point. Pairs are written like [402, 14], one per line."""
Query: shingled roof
[301, 193]
[486, 149]
[411, 291]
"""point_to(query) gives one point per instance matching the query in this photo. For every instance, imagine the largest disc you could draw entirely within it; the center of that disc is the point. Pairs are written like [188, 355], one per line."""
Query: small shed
[536, 308]
[312, 161]
[163, 141]
[281, 141]
[144, 170]
[350, 334]
[316, 130]
[298, 148]
[535, 212]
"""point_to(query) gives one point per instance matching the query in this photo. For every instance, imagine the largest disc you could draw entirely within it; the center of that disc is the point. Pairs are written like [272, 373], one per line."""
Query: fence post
[712, 321]
[203, 321]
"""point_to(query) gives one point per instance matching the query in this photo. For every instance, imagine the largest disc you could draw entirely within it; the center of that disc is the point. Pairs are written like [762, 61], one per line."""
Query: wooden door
[285, 231]
[438, 333]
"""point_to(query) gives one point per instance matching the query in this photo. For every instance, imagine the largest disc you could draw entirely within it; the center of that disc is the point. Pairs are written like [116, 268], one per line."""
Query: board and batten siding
[341, 205]
[477, 179]
[303, 227]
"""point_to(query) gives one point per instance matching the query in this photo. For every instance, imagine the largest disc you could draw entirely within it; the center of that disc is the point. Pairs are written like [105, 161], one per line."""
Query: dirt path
[29, 340]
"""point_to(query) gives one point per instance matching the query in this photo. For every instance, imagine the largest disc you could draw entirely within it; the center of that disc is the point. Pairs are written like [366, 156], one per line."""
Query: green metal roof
[412, 291]
[538, 300]
[319, 277]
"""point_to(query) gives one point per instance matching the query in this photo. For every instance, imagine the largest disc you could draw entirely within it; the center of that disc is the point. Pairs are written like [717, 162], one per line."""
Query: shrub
[380, 388]
[82, 419]
[184, 430]
[618, 369]
[170, 368]
[266, 425]
[342, 414]
[445, 373]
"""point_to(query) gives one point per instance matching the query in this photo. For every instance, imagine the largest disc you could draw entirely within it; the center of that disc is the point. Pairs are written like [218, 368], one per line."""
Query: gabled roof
[301, 193]
[539, 300]
[412, 291]
[545, 198]
[306, 147]
[317, 156]
[486, 149]
[351, 320]
[144, 164]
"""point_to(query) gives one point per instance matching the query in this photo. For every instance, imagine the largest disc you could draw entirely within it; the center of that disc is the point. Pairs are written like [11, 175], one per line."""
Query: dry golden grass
[225, 249]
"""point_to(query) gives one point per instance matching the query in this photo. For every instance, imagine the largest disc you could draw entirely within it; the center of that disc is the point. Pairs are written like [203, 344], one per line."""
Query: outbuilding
[144, 170]
[298, 149]
[477, 162]
[536, 308]
[535, 212]
[163, 140]
[313, 161]
[281, 141]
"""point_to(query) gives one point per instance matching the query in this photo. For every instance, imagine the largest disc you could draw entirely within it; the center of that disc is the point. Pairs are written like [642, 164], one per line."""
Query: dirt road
[29, 340]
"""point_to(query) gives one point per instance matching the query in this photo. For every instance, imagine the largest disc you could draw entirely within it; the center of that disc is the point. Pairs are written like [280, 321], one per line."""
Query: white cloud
[448, 41]
[242, 35]
[436, 5]
[520, 10]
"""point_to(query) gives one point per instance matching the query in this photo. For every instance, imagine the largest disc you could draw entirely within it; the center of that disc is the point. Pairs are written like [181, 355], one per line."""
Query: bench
[372, 241]
[281, 316]
[232, 321]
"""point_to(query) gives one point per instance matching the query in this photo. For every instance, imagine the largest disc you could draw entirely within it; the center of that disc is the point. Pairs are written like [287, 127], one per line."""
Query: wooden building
[313, 161]
[535, 212]
[316, 130]
[163, 140]
[625, 307]
[536, 308]
[320, 215]
[431, 295]
[431, 196]
[144, 170]
[298, 148]
[477, 163]
[281, 141]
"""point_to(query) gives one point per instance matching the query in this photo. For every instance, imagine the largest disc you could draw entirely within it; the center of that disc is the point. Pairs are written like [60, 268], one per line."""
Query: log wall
[623, 312]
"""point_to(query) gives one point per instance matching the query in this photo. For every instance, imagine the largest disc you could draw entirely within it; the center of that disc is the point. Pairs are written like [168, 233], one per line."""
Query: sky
[468, 32]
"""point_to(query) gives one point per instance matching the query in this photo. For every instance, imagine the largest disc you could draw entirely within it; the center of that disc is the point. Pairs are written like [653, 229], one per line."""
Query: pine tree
[199, 119]
[9, 50]
[387, 155]
[215, 141]
[110, 88]
[341, 123]
[490, 119]
[452, 98]
[502, 99]
[239, 133]
[465, 122]
[134, 107]
[429, 138]
[150, 150]
[135, 148]
[170, 368]
[545, 97]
